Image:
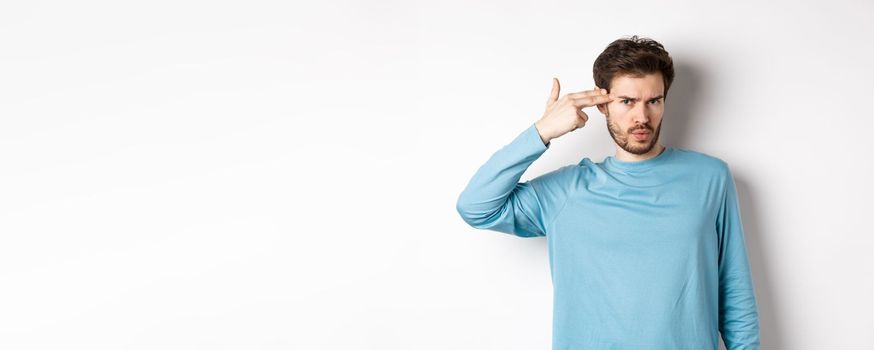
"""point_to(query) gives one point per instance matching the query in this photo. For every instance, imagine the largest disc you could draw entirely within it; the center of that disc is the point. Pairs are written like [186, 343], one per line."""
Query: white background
[275, 175]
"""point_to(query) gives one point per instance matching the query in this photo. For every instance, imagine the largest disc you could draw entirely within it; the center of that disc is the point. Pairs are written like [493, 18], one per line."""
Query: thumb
[553, 95]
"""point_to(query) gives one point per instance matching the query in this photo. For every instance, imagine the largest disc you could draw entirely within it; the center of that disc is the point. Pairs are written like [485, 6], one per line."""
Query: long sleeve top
[642, 254]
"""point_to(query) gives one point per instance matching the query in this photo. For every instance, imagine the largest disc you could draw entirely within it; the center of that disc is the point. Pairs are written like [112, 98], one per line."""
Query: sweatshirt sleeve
[494, 199]
[738, 317]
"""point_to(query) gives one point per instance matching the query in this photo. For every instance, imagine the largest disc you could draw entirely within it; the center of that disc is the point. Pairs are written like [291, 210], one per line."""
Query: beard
[634, 147]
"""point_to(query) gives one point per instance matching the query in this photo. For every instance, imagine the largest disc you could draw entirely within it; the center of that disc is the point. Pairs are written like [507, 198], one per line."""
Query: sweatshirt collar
[661, 158]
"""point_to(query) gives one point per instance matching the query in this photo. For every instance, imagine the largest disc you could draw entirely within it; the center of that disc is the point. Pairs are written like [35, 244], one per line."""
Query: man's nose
[641, 115]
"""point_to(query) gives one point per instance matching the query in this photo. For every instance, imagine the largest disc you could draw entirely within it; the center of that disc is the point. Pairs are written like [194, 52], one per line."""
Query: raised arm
[495, 199]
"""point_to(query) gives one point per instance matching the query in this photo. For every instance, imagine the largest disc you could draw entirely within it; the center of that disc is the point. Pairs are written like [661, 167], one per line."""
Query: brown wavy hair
[634, 56]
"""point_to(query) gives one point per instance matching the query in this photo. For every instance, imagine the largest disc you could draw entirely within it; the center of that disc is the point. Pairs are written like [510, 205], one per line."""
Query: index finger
[591, 100]
[585, 93]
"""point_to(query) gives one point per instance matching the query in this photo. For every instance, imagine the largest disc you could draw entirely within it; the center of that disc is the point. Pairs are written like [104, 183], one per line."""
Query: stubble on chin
[621, 139]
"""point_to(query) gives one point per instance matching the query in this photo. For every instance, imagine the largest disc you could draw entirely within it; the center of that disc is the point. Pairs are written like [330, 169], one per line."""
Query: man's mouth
[641, 134]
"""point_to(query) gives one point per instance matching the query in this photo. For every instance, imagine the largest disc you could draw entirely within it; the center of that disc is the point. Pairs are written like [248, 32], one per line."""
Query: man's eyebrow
[635, 99]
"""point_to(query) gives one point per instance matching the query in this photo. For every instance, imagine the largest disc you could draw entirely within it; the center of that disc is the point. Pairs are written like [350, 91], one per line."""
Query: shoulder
[703, 162]
[561, 181]
[560, 175]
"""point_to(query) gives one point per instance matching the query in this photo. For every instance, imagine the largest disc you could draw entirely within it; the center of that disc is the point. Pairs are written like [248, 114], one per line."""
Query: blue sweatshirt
[643, 254]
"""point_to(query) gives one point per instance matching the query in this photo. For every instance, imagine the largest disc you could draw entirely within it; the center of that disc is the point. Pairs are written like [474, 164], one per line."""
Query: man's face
[634, 117]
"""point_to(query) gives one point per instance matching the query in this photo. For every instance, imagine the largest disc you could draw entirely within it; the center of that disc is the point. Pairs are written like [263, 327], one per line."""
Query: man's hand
[565, 114]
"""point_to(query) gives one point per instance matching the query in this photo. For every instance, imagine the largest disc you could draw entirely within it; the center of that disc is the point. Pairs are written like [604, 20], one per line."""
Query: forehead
[647, 85]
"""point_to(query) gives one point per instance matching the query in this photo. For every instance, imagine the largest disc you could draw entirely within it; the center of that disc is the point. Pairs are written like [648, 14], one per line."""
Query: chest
[657, 219]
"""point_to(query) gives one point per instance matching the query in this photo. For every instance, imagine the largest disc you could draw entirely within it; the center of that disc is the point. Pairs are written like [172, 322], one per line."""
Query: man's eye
[656, 102]
[626, 100]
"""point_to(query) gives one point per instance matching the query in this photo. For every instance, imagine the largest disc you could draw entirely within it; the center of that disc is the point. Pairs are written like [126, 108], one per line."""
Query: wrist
[545, 136]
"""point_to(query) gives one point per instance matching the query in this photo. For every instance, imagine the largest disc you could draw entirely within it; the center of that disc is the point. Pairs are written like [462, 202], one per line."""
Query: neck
[624, 155]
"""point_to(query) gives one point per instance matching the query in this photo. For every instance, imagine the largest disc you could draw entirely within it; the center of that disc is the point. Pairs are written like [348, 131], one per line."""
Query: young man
[646, 248]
